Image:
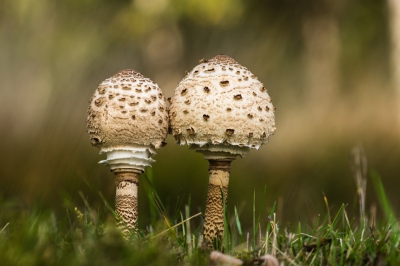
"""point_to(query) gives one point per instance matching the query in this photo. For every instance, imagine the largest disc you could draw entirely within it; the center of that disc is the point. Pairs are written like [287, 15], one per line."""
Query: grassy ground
[89, 237]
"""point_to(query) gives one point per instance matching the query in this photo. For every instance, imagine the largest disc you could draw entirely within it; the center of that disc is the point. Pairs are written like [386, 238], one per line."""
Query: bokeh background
[331, 68]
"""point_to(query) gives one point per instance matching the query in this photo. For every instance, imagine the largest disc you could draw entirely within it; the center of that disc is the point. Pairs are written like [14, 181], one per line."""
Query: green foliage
[382, 198]
[89, 237]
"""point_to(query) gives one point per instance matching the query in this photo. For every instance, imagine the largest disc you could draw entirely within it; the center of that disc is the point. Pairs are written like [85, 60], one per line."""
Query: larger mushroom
[221, 110]
[128, 120]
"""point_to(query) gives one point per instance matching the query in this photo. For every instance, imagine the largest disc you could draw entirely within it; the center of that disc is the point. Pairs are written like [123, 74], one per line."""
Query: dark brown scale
[230, 132]
[191, 131]
[223, 59]
[101, 89]
[224, 83]
[99, 102]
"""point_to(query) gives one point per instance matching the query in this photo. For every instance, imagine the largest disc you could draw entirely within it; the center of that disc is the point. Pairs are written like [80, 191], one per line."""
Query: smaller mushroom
[129, 137]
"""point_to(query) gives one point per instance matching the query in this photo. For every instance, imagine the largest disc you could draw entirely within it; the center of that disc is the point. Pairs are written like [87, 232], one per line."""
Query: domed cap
[127, 110]
[221, 103]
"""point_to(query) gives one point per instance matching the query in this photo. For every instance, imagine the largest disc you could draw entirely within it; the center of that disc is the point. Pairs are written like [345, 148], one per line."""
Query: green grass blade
[253, 243]
[271, 214]
[382, 198]
[156, 203]
[261, 208]
[148, 186]
[239, 227]
[108, 206]
[314, 228]
[330, 226]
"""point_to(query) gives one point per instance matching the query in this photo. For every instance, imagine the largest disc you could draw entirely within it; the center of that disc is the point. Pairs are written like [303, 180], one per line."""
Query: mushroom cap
[221, 103]
[127, 110]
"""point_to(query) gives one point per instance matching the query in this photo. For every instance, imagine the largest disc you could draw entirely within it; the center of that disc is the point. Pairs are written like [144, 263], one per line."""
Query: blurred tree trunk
[321, 56]
[394, 9]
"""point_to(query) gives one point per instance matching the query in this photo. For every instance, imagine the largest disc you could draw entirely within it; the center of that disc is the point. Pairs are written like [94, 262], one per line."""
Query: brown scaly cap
[127, 109]
[221, 102]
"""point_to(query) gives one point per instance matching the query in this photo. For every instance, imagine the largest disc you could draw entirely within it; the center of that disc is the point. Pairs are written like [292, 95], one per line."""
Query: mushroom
[128, 124]
[230, 113]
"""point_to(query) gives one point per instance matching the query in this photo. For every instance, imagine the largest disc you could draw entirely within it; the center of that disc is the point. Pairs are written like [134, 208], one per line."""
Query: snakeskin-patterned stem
[126, 200]
[213, 228]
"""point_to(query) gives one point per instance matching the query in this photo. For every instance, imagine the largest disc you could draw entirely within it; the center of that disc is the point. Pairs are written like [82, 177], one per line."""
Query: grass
[90, 237]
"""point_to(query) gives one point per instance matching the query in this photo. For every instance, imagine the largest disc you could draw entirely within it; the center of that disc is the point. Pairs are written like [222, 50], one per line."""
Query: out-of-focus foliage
[326, 66]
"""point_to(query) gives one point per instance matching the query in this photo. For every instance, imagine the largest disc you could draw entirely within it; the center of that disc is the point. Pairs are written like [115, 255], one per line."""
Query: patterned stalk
[213, 228]
[126, 201]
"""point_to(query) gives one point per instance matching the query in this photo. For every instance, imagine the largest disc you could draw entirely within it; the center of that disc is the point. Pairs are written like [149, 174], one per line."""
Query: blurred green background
[329, 66]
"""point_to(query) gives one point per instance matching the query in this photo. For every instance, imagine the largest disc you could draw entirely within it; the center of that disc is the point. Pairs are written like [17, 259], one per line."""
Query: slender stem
[213, 228]
[126, 199]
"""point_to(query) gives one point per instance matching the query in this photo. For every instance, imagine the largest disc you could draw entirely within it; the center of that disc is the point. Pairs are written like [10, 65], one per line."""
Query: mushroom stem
[126, 199]
[213, 228]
